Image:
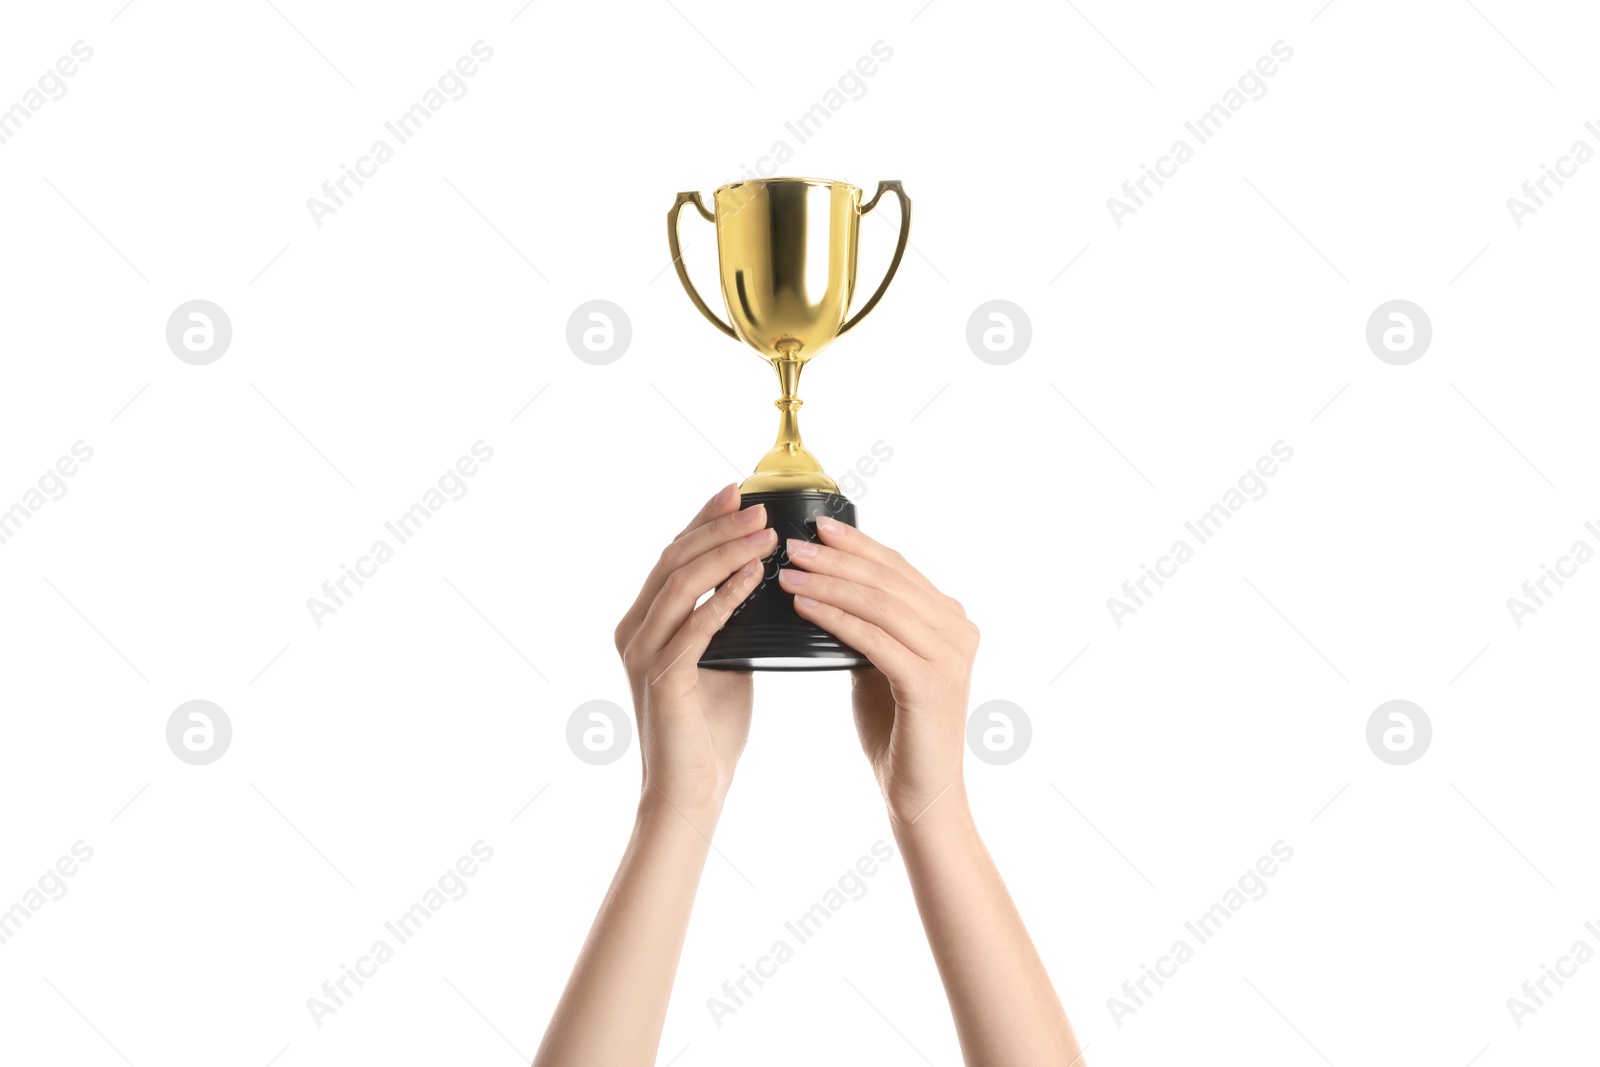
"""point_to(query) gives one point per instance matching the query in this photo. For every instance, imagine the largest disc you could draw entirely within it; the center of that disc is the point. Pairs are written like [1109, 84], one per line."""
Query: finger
[677, 663]
[701, 539]
[697, 542]
[722, 505]
[684, 586]
[885, 610]
[847, 538]
[932, 606]
[891, 657]
[726, 500]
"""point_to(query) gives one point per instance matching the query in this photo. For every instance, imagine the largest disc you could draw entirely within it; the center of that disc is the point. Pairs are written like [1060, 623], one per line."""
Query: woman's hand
[911, 711]
[692, 727]
[911, 714]
[693, 723]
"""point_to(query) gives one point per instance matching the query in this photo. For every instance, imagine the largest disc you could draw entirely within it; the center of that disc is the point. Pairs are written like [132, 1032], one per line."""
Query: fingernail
[725, 496]
[831, 525]
[804, 602]
[759, 537]
[792, 577]
[801, 549]
[749, 569]
[751, 513]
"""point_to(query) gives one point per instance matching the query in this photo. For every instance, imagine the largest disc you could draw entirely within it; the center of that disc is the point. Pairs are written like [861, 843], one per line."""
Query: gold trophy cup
[786, 249]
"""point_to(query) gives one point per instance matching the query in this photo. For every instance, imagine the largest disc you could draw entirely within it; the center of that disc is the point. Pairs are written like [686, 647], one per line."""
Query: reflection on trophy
[787, 254]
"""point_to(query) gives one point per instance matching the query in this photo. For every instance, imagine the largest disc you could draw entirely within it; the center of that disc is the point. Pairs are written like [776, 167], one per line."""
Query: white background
[368, 354]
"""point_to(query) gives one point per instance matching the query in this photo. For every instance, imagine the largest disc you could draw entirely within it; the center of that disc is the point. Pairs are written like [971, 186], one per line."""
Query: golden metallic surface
[786, 249]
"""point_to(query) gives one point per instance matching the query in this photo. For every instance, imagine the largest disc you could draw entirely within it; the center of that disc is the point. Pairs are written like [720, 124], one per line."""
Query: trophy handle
[677, 256]
[899, 249]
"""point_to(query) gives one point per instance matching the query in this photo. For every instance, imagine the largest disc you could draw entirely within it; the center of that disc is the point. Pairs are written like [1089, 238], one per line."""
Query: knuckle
[947, 672]
[884, 615]
[874, 639]
[731, 592]
[715, 611]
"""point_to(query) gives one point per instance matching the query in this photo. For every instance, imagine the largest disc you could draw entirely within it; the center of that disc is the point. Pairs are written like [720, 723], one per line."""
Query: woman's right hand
[693, 723]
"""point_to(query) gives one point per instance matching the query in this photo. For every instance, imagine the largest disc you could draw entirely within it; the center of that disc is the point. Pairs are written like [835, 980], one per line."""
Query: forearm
[1005, 1009]
[616, 1000]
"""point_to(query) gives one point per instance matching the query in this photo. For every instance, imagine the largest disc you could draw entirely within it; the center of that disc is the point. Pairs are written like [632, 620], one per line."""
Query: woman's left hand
[911, 710]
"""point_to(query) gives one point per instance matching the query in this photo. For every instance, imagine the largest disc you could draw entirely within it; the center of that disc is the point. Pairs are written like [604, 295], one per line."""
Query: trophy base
[764, 633]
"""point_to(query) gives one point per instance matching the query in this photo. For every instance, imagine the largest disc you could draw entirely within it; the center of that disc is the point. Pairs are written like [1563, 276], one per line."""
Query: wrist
[944, 812]
[943, 841]
[668, 809]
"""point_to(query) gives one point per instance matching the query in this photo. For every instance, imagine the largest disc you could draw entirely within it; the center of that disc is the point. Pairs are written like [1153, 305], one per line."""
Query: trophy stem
[789, 405]
[788, 465]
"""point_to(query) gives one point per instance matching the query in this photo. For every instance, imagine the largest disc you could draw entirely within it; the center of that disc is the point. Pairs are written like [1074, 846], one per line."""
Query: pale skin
[910, 714]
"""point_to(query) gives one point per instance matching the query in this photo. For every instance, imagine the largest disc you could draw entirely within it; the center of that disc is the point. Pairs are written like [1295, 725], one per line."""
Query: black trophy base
[764, 633]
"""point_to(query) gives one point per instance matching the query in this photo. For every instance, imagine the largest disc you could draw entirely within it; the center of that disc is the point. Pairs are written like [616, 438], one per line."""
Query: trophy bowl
[786, 253]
